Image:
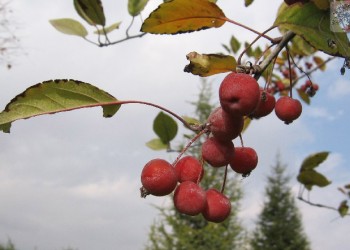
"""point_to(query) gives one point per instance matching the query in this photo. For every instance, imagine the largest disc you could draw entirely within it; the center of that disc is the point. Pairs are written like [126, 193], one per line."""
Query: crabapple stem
[203, 131]
[248, 28]
[241, 139]
[290, 74]
[251, 44]
[186, 124]
[224, 182]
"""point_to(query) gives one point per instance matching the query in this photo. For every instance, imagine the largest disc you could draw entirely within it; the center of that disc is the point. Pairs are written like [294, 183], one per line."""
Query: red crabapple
[217, 153]
[158, 177]
[189, 198]
[223, 126]
[218, 206]
[266, 105]
[188, 168]
[244, 160]
[288, 109]
[239, 94]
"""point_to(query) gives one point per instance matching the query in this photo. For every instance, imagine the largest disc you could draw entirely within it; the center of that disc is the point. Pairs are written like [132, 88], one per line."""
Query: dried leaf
[209, 64]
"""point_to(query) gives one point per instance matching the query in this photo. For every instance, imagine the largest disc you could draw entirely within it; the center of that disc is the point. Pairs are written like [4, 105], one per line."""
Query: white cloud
[323, 113]
[339, 89]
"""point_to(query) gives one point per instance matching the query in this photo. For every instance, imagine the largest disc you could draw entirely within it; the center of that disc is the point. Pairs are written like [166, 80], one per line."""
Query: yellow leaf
[181, 16]
[320, 63]
[209, 64]
[280, 61]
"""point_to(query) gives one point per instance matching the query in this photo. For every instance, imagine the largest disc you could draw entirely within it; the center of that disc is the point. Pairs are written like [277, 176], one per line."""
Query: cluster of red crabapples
[240, 96]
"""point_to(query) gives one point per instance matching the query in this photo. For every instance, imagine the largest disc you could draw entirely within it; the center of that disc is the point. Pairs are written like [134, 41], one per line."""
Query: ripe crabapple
[189, 198]
[218, 206]
[158, 177]
[288, 109]
[265, 106]
[244, 160]
[188, 168]
[239, 94]
[223, 126]
[217, 153]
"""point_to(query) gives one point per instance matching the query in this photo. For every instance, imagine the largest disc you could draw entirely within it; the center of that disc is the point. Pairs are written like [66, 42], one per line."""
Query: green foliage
[172, 230]
[8, 246]
[136, 6]
[55, 96]
[69, 26]
[165, 127]
[91, 11]
[248, 2]
[313, 25]
[313, 161]
[235, 44]
[343, 208]
[279, 225]
[308, 176]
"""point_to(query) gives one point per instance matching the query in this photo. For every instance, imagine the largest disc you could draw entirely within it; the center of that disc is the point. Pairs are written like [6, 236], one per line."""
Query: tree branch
[259, 69]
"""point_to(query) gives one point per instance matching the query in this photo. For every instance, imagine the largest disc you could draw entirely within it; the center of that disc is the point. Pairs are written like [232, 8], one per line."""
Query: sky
[72, 179]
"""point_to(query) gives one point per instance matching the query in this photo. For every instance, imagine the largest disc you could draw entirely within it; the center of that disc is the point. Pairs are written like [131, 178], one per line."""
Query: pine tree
[173, 230]
[279, 226]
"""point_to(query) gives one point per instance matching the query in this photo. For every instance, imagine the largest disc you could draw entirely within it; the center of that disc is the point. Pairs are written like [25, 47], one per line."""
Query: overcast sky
[72, 179]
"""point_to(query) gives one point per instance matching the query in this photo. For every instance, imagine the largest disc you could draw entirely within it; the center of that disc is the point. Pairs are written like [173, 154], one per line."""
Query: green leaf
[56, 96]
[301, 47]
[312, 178]
[228, 50]
[314, 160]
[91, 11]
[69, 26]
[136, 6]
[157, 144]
[209, 64]
[303, 96]
[343, 208]
[235, 44]
[248, 2]
[191, 120]
[249, 52]
[181, 16]
[108, 29]
[313, 25]
[165, 127]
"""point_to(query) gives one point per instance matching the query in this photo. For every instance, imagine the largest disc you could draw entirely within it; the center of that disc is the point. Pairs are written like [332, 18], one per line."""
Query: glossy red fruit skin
[158, 177]
[244, 160]
[223, 126]
[266, 105]
[239, 94]
[189, 198]
[217, 153]
[218, 206]
[189, 168]
[288, 109]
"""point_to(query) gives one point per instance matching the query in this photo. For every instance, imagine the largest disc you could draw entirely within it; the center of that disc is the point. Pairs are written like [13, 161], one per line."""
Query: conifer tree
[173, 230]
[279, 226]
